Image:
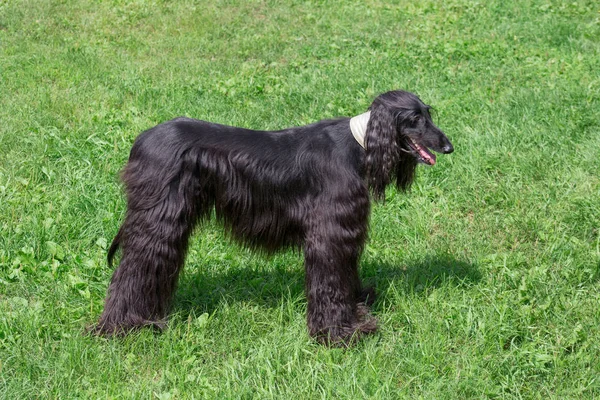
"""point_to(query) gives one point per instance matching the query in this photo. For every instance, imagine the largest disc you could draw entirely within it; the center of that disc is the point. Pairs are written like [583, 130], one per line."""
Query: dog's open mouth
[423, 154]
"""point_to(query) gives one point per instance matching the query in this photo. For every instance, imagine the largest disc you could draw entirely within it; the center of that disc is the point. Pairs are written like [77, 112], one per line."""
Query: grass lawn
[488, 270]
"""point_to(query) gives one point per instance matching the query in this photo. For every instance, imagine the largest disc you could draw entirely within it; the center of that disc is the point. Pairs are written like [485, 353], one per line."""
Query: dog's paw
[348, 335]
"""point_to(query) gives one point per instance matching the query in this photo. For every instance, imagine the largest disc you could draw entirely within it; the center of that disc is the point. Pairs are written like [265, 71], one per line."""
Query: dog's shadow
[203, 291]
[200, 292]
[412, 276]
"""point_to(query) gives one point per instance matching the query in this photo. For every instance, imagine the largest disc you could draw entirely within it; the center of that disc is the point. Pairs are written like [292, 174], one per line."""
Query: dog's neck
[358, 126]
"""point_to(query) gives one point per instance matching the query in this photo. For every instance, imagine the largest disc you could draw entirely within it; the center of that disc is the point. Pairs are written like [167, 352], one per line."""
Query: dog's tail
[114, 246]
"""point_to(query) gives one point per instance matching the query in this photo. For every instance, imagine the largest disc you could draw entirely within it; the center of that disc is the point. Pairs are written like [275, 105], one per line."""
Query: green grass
[488, 271]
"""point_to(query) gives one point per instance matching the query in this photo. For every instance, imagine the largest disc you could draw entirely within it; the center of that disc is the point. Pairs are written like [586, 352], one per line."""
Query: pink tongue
[425, 154]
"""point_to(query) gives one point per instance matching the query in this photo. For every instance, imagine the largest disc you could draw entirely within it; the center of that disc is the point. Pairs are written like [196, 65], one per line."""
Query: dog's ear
[382, 151]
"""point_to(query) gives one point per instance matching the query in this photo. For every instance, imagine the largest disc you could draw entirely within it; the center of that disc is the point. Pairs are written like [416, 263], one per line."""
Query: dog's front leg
[334, 314]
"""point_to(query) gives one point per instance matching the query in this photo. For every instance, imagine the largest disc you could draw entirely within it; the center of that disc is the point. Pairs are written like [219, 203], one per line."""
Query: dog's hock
[358, 126]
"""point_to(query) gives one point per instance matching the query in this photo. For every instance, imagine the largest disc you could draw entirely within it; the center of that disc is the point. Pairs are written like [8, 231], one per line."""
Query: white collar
[358, 126]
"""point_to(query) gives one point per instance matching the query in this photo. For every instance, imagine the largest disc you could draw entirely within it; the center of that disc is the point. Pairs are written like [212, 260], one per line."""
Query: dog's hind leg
[154, 243]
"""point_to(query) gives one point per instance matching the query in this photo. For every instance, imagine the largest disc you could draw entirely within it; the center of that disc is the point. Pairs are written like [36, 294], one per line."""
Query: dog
[305, 187]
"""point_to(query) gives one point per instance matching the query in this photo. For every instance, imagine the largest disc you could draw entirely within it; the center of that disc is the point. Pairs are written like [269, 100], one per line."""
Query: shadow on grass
[430, 272]
[202, 293]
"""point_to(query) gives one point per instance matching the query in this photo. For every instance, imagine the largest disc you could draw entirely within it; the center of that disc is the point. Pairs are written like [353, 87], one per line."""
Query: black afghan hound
[305, 187]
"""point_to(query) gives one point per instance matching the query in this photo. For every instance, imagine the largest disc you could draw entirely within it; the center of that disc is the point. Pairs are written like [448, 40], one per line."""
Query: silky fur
[304, 187]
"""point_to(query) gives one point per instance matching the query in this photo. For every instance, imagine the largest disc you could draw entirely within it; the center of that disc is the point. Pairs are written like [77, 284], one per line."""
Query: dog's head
[400, 134]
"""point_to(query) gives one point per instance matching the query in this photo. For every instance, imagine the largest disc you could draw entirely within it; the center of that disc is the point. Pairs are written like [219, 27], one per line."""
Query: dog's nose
[447, 149]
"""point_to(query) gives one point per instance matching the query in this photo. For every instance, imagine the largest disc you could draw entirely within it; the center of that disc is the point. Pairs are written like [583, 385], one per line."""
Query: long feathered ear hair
[384, 158]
